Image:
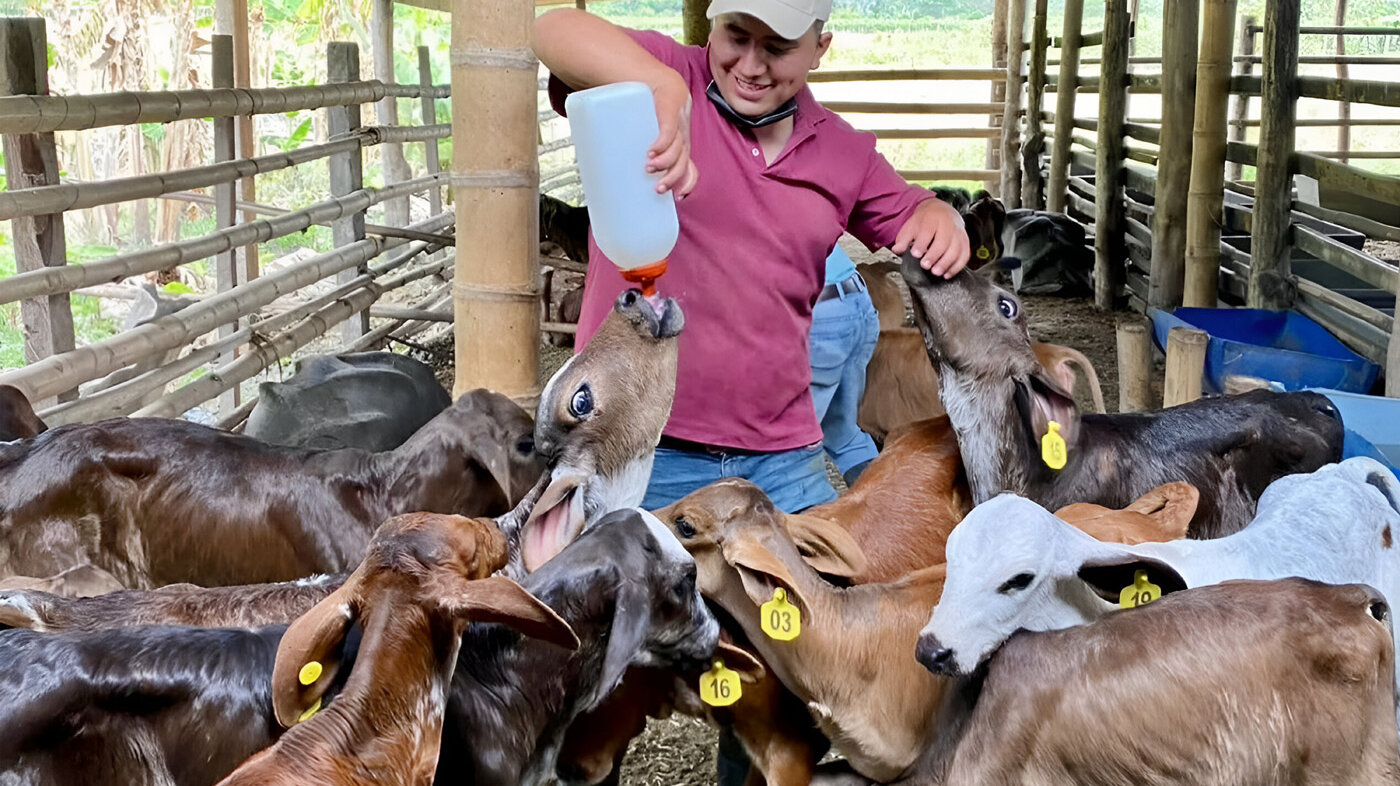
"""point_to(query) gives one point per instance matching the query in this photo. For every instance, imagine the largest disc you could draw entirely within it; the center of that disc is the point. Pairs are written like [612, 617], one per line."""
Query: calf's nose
[934, 656]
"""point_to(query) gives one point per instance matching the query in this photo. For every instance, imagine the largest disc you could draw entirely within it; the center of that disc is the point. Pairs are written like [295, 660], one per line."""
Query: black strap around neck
[788, 109]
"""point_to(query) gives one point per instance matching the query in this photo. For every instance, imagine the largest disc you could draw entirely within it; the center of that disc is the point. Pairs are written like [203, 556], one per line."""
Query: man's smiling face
[757, 70]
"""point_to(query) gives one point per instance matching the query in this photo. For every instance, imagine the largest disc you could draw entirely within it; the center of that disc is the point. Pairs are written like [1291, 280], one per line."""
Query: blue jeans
[844, 332]
[793, 479]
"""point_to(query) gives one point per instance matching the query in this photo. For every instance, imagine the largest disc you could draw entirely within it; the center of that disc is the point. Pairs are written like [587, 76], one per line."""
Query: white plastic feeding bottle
[612, 127]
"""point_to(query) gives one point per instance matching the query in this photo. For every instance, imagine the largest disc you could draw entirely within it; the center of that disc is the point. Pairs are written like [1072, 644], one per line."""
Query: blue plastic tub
[1279, 346]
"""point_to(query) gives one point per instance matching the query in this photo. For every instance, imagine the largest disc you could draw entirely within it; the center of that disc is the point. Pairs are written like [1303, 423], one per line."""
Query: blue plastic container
[1279, 346]
[1372, 425]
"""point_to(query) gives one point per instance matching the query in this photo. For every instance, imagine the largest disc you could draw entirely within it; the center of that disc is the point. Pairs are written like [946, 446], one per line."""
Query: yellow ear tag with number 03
[779, 619]
[1140, 593]
[1052, 447]
[720, 687]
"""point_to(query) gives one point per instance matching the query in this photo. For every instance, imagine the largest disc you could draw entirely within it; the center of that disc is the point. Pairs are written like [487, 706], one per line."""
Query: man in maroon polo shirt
[765, 181]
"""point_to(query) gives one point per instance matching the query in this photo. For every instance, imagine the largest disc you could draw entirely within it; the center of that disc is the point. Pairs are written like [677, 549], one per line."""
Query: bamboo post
[1134, 363]
[1186, 363]
[396, 170]
[999, 88]
[231, 19]
[1234, 171]
[430, 146]
[1110, 243]
[695, 27]
[226, 263]
[1174, 163]
[1204, 209]
[1270, 263]
[1011, 112]
[1343, 106]
[1057, 191]
[1032, 186]
[346, 169]
[32, 160]
[496, 183]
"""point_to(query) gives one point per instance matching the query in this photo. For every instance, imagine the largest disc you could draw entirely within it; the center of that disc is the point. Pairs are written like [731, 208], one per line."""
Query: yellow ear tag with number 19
[779, 619]
[1140, 593]
[720, 687]
[1052, 447]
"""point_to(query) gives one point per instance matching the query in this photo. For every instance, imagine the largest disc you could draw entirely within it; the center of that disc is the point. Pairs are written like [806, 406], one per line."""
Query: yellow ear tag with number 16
[1052, 447]
[779, 619]
[720, 687]
[1140, 593]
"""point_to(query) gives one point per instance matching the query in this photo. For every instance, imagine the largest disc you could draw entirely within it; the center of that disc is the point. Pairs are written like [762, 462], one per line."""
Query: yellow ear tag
[719, 687]
[309, 673]
[312, 710]
[1140, 593]
[983, 253]
[1052, 448]
[779, 619]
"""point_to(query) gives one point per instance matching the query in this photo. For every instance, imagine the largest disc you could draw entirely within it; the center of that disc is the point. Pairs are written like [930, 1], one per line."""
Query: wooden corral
[1162, 244]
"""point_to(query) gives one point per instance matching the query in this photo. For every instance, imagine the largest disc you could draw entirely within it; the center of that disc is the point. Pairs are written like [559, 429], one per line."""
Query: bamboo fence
[1241, 238]
[256, 318]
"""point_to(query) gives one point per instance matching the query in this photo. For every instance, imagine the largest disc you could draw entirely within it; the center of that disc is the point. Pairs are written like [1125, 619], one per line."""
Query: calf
[1279, 682]
[1012, 565]
[154, 501]
[420, 582]
[901, 386]
[1001, 401]
[878, 709]
[17, 418]
[624, 587]
[368, 400]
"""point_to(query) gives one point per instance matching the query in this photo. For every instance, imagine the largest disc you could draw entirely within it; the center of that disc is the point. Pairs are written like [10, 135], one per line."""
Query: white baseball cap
[788, 18]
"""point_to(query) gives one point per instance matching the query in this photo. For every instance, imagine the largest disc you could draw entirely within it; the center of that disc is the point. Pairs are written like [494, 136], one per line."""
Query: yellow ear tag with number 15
[1140, 593]
[720, 687]
[779, 619]
[1052, 447]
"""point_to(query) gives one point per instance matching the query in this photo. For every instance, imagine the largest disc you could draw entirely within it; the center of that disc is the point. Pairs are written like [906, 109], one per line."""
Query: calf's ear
[1171, 506]
[761, 573]
[826, 546]
[750, 668]
[498, 599]
[1109, 575]
[630, 623]
[316, 636]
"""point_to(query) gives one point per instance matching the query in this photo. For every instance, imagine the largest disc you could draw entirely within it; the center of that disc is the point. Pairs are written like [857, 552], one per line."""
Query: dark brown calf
[155, 501]
[1001, 400]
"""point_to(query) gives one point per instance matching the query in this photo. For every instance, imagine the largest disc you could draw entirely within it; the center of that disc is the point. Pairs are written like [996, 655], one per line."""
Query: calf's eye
[1007, 307]
[685, 528]
[581, 405]
[1018, 582]
[525, 445]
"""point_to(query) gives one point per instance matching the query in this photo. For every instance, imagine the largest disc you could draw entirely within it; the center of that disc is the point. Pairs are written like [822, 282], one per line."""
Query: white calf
[1013, 565]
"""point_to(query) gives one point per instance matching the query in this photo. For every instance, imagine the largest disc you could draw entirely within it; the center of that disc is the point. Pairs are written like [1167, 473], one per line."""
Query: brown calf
[423, 578]
[1278, 682]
